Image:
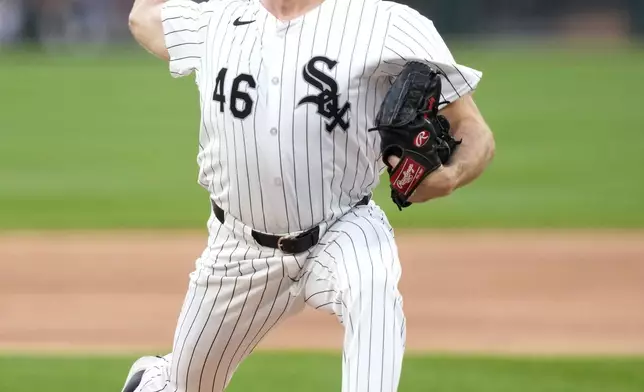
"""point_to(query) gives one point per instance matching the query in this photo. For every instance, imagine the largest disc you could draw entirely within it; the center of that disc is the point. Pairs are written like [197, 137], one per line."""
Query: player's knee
[378, 286]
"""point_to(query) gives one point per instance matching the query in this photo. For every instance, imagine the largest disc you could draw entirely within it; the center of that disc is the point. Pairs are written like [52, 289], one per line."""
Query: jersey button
[278, 181]
[276, 80]
[273, 131]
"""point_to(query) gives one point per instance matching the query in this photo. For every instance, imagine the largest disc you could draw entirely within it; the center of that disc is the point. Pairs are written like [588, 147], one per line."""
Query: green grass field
[110, 142]
[321, 373]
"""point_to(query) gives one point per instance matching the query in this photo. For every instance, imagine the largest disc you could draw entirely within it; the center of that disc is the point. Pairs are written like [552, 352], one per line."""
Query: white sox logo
[327, 101]
[421, 139]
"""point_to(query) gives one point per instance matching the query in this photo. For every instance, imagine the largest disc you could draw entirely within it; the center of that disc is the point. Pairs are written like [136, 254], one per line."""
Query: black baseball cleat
[136, 372]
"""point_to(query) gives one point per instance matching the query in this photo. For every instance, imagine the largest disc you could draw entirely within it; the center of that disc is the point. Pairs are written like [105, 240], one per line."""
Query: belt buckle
[280, 242]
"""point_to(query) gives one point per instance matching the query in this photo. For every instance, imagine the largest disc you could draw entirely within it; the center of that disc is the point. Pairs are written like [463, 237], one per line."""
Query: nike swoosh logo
[239, 22]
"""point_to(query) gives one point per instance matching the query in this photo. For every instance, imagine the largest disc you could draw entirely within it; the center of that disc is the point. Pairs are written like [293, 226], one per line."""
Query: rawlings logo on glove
[411, 129]
[410, 173]
[421, 139]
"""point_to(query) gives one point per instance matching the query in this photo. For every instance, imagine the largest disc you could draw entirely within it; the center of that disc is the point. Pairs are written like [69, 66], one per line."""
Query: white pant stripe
[242, 291]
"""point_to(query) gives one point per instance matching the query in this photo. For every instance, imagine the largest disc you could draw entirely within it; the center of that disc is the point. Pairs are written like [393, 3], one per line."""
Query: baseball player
[304, 103]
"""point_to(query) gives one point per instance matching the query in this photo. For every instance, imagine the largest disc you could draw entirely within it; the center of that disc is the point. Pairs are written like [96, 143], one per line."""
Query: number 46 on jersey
[327, 101]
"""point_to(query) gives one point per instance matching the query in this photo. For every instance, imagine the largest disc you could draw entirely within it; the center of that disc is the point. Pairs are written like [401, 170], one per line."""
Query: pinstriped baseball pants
[240, 291]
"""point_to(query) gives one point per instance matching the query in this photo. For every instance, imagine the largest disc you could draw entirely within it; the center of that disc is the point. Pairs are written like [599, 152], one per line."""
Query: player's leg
[354, 274]
[236, 295]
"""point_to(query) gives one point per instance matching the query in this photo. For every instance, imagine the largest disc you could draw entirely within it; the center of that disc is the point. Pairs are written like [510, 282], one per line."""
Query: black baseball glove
[411, 129]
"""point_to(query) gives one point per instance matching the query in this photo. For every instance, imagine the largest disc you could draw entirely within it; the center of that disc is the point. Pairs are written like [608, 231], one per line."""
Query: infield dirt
[493, 292]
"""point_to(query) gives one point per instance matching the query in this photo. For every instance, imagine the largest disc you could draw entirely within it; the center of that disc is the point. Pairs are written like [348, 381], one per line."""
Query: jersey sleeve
[185, 25]
[413, 37]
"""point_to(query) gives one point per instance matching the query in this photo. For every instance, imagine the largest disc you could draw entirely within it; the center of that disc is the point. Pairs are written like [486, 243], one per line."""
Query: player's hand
[442, 182]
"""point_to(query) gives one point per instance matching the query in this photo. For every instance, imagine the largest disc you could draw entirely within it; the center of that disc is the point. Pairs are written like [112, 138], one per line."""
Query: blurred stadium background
[100, 21]
[101, 217]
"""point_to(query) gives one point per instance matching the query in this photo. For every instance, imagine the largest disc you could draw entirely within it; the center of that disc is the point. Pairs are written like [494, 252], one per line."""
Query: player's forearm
[146, 26]
[475, 152]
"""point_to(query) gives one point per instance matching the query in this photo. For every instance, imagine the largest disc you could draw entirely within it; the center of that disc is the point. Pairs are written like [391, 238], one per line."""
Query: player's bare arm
[472, 156]
[146, 27]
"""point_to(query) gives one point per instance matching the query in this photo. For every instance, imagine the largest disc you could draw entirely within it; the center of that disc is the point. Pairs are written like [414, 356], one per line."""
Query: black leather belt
[292, 244]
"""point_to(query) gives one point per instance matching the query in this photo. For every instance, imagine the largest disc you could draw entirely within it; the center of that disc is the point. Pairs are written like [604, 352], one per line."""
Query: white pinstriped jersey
[286, 105]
